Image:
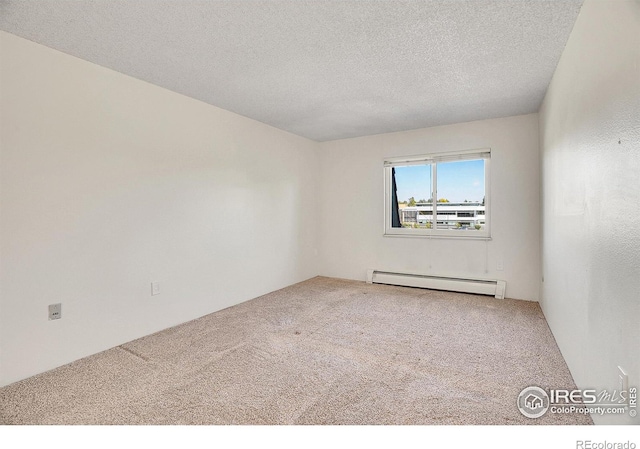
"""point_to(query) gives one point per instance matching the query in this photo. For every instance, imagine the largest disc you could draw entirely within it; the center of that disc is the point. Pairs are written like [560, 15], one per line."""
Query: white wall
[352, 201]
[590, 147]
[109, 183]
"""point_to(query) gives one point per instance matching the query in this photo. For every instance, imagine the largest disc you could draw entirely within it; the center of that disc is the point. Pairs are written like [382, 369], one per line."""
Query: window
[444, 194]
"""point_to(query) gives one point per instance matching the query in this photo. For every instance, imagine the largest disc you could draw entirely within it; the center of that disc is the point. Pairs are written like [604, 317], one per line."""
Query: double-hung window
[443, 194]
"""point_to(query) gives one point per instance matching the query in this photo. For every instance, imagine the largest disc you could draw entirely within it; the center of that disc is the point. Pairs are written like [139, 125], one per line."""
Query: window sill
[440, 236]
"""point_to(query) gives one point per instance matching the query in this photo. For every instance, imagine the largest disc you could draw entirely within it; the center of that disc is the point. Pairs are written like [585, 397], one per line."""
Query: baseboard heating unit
[479, 286]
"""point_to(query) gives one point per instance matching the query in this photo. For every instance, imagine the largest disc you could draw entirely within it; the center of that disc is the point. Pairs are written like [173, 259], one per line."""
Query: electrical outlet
[500, 265]
[155, 288]
[55, 311]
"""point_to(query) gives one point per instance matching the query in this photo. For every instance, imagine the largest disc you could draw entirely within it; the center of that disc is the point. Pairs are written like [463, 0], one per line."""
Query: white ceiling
[320, 69]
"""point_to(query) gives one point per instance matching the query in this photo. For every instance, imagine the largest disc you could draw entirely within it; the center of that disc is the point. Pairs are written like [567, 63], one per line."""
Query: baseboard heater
[479, 286]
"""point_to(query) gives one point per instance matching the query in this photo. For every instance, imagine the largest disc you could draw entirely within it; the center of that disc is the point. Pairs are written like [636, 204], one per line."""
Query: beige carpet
[325, 351]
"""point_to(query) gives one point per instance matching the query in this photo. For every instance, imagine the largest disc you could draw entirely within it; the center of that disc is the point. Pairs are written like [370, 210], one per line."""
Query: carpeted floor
[324, 351]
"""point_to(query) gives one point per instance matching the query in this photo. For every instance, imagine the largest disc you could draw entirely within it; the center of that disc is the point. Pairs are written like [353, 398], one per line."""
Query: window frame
[433, 159]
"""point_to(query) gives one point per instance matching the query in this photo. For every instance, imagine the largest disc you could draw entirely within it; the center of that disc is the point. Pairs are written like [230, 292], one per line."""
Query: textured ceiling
[320, 69]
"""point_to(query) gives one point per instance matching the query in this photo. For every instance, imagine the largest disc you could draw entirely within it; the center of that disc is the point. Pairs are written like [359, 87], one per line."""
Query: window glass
[413, 190]
[438, 195]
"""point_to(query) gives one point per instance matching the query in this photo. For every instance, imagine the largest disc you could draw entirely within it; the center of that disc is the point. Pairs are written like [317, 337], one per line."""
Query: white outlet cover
[55, 311]
[155, 288]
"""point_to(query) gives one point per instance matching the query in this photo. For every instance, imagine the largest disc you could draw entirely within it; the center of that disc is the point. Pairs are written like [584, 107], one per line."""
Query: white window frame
[433, 159]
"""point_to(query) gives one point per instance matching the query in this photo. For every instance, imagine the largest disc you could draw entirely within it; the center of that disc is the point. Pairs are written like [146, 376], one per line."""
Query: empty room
[319, 212]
